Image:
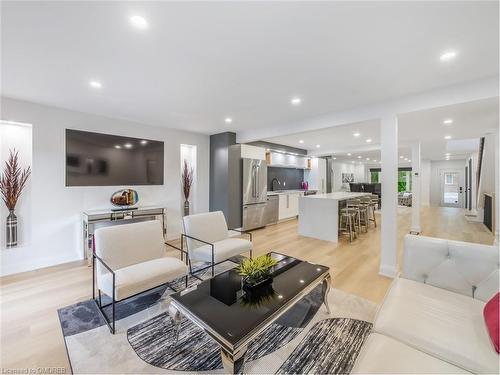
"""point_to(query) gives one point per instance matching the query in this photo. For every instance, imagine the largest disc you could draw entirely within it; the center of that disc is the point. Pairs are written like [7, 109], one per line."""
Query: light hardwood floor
[30, 332]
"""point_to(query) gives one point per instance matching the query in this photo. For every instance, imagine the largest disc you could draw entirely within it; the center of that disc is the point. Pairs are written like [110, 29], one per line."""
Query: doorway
[451, 189]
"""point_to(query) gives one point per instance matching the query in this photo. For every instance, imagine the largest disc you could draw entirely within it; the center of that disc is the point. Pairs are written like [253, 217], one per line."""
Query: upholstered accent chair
[130, 259]
[207, 239]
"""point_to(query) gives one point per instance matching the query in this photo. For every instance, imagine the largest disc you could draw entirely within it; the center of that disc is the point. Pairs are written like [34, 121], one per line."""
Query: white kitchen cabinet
[278, 159]
[316, 176]
[288, 205]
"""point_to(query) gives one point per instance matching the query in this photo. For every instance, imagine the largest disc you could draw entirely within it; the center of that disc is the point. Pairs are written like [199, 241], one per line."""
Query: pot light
[374, 160]
[448, 121]
[447, 137]
[409, 160]
[367, 158]
[228, 120]
[352, 161]
[95, 84]
[348, 154]
[301, 141]
[334, 158]
[356, 134]
[369, 140]
[296, 101]
[118, 147]
[448, 55]
[318, 146]
[359, 156]
[144, 142]
[127, 145]
[139, 22]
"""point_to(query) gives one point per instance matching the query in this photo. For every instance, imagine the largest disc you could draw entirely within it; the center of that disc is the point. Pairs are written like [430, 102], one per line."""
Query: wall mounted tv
[95, 159]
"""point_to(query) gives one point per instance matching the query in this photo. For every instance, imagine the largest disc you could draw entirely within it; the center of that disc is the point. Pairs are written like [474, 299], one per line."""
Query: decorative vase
[11, 238]
[186, 208]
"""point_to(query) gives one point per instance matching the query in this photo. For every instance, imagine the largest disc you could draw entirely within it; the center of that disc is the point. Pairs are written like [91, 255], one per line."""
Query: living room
[205, 187]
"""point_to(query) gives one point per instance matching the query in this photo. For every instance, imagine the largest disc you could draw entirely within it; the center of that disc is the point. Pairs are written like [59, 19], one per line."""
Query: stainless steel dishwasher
[272, 210]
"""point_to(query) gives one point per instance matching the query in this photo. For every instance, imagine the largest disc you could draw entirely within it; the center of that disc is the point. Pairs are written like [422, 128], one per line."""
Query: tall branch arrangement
[187, 179]
[13, 180]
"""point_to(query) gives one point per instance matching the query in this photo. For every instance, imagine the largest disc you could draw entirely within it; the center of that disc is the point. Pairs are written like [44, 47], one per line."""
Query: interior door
[451, 192]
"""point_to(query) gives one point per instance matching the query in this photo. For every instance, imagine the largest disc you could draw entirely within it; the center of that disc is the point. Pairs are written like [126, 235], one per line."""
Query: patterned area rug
[143, 344]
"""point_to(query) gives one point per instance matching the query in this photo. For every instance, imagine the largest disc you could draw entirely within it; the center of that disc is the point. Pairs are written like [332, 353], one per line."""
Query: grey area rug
[153, 340]
[330, 347]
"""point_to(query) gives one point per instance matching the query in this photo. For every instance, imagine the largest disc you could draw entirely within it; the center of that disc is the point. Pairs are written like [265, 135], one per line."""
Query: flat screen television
[95, 159]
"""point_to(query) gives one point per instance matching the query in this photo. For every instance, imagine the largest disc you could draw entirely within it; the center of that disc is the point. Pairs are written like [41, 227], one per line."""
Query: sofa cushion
[223, 250]
[141, 277]
[490, 313]
[444, 324]
[384, 355]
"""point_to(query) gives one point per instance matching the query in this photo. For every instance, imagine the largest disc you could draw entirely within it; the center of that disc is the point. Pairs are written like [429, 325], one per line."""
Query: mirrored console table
[94, 219]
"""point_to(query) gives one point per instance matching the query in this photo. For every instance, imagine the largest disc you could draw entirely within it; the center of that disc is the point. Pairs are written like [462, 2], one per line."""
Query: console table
[94, 219]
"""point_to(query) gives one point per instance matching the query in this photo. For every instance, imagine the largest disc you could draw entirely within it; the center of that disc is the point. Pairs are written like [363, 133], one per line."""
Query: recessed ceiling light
[228, 120]
[139, 22]
[401, 157]
[369, 140]
[118, 146]
[374, 160]
[447, 137]
[359, 156]
[348, 154]
[127, 145]
[409, 160]
[448, 121]
[334, 158]
[296, 101]
[301, 141]
[352, 161]
[95, 84]
[447, 154]
[448, 55]
[356, 134]
[144, 142]
[318, 146]
[367, 158]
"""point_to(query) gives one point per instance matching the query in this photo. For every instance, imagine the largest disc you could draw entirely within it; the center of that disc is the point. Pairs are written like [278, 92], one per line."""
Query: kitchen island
[319, 214]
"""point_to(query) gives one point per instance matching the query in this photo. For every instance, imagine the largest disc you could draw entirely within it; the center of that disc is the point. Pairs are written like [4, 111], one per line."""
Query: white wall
[339, 168]
[17, 137]
[56, 211]
[437, 166]
[425, 182]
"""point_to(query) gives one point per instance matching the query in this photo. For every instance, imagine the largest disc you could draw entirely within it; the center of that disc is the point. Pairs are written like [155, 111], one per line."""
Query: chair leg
[113, 329]
[93, 277]
[186, 281]
[374, 219]
[251, 252]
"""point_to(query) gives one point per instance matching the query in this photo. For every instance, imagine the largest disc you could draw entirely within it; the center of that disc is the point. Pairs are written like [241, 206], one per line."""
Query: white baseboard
[388, 271]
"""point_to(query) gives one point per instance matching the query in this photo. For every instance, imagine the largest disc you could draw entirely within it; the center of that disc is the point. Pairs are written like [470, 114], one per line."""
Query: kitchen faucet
[272, 183]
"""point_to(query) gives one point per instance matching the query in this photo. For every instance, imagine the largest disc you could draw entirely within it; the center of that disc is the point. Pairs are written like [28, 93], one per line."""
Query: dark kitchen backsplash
[292, 178]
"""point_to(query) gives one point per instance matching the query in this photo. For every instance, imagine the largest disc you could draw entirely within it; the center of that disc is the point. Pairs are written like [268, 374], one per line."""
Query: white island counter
[319, 214]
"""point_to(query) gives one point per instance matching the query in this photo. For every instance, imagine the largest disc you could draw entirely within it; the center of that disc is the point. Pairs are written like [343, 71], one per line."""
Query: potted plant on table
[12, 183]
[187, 182]
[256, 272]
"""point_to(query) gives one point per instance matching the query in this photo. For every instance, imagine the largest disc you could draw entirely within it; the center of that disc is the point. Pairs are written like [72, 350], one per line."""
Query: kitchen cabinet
[288, 205]
[278, 159]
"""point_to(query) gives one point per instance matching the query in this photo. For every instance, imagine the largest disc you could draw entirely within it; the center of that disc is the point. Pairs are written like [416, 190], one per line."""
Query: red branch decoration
[187, 180]
[13, 180]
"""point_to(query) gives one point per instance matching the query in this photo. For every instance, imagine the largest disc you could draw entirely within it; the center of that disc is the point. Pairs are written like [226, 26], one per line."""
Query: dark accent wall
[278, 147]
[292, 177]
[225, 177]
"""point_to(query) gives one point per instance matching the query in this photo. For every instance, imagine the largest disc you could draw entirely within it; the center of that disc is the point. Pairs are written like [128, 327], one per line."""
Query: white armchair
[207, 239]
[130, 259]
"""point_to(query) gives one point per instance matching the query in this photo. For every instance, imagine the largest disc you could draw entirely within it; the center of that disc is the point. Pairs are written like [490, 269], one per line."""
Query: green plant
[255, 269]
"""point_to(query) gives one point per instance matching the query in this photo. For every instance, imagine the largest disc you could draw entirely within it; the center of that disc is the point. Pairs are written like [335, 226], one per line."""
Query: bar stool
[374, 201]
[364, 212]
[348, 218]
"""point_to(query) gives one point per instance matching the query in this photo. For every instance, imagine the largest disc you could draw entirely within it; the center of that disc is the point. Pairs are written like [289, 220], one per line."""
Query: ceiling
[200, 62]
[470, 121]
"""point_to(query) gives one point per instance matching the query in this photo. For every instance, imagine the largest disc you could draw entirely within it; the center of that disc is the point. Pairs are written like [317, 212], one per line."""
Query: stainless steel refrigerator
[254, 193]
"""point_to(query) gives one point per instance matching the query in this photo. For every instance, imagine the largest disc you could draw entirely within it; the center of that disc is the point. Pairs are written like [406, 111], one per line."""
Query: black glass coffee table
[233, 317]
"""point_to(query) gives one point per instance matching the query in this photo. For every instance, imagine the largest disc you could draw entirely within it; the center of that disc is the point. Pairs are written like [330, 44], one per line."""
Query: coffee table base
[233, 364]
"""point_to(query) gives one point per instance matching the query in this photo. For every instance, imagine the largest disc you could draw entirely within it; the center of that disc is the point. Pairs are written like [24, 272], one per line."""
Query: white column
[416, 184]
[389, 225]
[497, 194]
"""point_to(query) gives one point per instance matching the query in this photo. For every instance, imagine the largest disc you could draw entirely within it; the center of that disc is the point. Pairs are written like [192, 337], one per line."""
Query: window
[404, 181]
[449, 178]
[374, 177]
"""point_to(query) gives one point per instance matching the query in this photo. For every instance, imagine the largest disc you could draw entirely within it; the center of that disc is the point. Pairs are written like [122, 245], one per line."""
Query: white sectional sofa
[431, 320]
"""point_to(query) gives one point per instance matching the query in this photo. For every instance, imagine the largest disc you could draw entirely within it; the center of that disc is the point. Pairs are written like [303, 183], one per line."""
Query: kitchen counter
[319, 214]
[291, 191]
